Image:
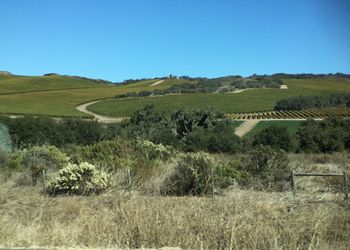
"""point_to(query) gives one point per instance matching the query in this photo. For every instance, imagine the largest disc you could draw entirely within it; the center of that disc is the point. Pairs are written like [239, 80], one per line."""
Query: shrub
[326, 136]
[224, 139]
[269, 165]
[108, 154]
[30, 131]
[5, 138]
[4, 160]
[153, 151]
[193, 174]
[41, 158]
[218, 139]
[82, 179]
[276, 137]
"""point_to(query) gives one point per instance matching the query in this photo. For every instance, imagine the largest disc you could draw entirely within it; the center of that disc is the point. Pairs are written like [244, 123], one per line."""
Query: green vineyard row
[297, 114]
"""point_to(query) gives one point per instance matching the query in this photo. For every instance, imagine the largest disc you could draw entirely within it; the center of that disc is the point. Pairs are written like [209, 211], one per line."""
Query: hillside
[251, 100]
[11, 84]
[59, 95]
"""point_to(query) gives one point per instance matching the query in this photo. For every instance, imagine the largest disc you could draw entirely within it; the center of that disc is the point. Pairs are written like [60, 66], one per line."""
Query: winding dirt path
[245, 127]
[99, 118]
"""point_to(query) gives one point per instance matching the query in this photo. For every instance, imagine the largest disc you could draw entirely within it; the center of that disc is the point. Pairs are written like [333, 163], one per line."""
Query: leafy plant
[82, 179]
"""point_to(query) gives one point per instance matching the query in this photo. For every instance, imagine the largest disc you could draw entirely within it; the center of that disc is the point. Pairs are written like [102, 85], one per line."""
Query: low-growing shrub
[3, 158]
[41, 158]
[82, 179]
[270, 166]
[108, 154]
[153, 151]
[193, 175]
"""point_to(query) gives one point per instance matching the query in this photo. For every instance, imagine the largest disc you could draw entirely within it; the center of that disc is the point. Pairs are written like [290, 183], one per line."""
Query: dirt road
[156, 83]
[245, 127]
[100, 118]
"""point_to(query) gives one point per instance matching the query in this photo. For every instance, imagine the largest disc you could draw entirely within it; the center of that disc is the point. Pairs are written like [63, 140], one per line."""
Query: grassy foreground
[240, 220]
[248, 101]
[316, 218]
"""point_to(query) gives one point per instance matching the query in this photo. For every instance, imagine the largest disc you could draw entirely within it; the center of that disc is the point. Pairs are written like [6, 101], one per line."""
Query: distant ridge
[5, 73]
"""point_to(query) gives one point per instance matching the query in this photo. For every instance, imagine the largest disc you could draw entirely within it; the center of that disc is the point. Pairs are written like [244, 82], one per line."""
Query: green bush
[41, 158]
[143, 158]
[270, 166]
[82, 179]
[5, 138]
[327, 136]
[108, 155]
[153, 151]
[193, 174]
[276, 137]
[29, 131]
[4, 160]
[218, 139]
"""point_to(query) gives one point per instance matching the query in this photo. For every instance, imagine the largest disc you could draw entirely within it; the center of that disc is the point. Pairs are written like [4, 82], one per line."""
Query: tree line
[306, 102]
[185, 130]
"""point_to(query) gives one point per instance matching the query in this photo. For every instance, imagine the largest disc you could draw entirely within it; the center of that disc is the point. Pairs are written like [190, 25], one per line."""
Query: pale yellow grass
[240, 219]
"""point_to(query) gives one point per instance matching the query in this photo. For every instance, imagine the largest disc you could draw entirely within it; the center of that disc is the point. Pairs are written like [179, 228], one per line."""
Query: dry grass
[317, 218]
[239, 220]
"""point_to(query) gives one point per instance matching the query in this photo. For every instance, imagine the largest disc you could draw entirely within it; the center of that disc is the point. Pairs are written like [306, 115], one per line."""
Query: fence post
[129, 180]
[346, 195]
[293, 182]
[44, 186]
[212, 182]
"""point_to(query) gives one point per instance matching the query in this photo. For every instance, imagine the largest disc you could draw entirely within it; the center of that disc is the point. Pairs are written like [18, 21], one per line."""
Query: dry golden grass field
[316, 218]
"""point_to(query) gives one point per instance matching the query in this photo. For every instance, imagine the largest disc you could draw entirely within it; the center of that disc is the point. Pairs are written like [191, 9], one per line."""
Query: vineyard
[296, 114]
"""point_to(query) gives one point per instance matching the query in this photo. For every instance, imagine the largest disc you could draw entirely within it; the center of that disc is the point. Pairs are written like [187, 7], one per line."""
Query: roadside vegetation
[129, 190]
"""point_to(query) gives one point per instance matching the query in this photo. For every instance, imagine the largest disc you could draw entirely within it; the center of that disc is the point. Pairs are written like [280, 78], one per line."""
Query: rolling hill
[251, 100]
[57, 95]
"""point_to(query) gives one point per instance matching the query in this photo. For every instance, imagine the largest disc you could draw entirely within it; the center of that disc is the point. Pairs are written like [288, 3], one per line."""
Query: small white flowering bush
[82, 179]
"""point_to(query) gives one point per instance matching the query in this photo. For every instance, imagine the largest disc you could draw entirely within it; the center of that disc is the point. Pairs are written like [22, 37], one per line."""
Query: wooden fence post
[293, 182]
[212, 183]
[129, 180]
[44, 186]
[345, 186]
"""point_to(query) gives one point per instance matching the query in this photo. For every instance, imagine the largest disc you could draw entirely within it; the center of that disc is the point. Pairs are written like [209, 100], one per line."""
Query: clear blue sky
[123, 39]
